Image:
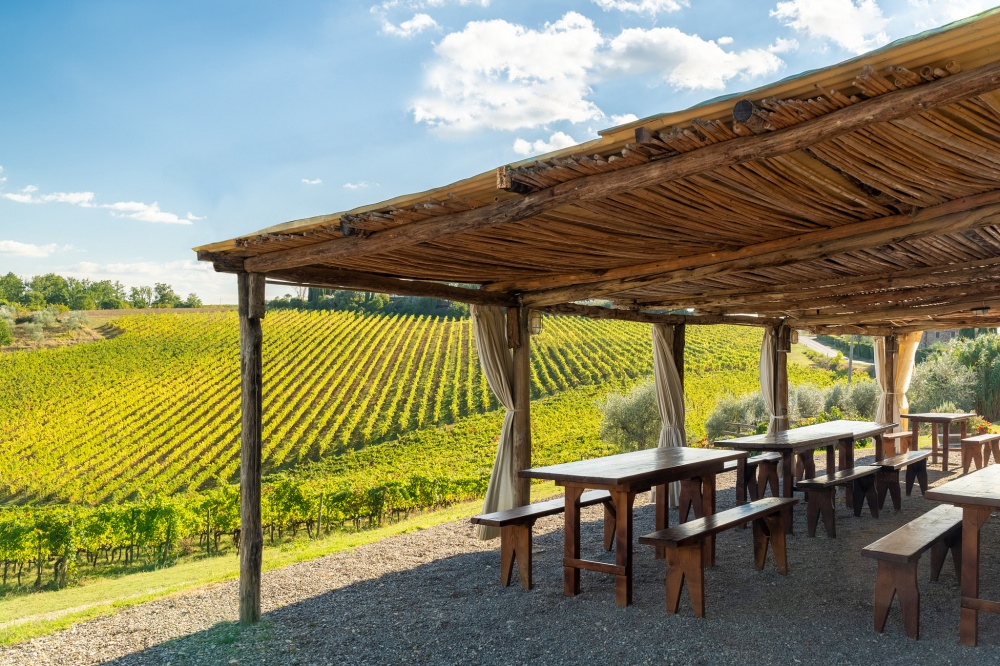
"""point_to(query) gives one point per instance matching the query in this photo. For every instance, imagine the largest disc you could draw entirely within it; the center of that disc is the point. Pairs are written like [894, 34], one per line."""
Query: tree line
[312, 298]
[51, 290]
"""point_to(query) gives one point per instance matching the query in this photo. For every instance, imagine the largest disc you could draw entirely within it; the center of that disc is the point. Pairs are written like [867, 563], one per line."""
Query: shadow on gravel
[453, 610]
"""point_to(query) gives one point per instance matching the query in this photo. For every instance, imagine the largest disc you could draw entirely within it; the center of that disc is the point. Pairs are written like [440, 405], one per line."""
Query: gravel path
[433, 597]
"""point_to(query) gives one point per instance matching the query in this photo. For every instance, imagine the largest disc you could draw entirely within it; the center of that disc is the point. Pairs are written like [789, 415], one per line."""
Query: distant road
[811, 343]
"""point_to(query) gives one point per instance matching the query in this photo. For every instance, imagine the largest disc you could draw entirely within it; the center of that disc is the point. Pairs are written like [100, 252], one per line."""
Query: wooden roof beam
[909, 314]
[889, 106]
[333, 278]
[951, 217]
[597, 312]
[948, 273]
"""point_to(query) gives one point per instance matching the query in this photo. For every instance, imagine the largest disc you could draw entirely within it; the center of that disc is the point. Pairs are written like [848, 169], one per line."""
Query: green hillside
[155, 409]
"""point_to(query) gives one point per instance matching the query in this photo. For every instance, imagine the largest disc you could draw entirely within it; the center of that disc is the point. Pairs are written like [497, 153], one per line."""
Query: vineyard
[155, 409]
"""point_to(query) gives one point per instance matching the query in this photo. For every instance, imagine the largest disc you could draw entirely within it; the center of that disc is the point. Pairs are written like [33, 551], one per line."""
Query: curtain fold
[768, 351]
[892, 406]
[489, 328]
[669, 397]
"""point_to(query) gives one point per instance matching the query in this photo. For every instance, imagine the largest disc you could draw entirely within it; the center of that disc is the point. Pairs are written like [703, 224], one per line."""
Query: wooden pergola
[860, 198]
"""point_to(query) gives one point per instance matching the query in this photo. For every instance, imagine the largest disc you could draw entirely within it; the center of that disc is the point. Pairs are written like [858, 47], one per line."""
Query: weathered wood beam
[882, 316]
[782, 347]
[335, 278]
[867, 302]
[951, 217]
[251, 311]
[846, 329]
[965, 272]
[890, 106]
[597, 312]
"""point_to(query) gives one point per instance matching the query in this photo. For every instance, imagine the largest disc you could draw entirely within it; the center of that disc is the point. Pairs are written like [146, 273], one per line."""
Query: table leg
[623, 499]
[846, 449]
[945, 441]
[571, 539]
[914, 443]
[707, 509]
[934, 443]
[879, 448]
[973, 518]
[787, 476]
[662, 515]
[741, 476]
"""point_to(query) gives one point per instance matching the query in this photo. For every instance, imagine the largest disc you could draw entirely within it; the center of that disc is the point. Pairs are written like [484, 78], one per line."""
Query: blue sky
[131, 131]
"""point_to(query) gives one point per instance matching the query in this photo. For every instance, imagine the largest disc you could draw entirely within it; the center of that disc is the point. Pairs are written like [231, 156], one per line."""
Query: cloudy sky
[132, 130]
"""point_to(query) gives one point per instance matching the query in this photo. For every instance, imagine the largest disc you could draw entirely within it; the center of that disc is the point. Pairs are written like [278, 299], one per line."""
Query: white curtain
[891, 407]
[768, 350]
[489, 327]
[669, 396]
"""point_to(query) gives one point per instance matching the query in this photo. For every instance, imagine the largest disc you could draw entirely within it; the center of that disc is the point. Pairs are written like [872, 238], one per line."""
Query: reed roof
[862, 197]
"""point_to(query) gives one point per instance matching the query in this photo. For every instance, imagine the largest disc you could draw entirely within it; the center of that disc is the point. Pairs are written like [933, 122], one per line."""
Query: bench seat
[515, 530]
[684, 545]
[898, 554]
[819, 501]
[977, 448]
[893, 442]
[887, 480]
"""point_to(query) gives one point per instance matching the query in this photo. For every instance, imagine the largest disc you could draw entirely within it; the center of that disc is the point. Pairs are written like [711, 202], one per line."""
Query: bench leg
[883, 483]
[689, 498]
[966, 458]
[900, 579]
[760, 539]
[864, 489]
[609, 526]
[515, 544]
[977, 455]
[995, 447]
[918, 471]
[939, 553]
[684, 564]
[751, 487]
[986, 454]
[820, 503]
[767, 476]
[770, 529]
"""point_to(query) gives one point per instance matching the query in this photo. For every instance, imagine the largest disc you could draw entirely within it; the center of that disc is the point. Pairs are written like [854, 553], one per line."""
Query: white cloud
[19, 249]
[135, 210]
[314, 181]
[686, 61]
[409, 28]
[854, 25]
[144, 212]
[933, 13]
[642, 6]
[506, 76]
[622, 119]
[556, 141]
[782, 45]
[359, 185]
[3, 178]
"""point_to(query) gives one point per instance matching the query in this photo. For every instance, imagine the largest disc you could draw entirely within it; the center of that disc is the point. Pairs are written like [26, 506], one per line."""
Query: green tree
[631, 421]
[6, 337]
[11, 288]
[192, 301]
[141, 297]
[53, 288]
[165, 296]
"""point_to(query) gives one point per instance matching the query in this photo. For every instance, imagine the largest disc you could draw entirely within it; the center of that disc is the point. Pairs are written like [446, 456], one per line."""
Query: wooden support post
[783, 342]
[522, 404]
[251, 311]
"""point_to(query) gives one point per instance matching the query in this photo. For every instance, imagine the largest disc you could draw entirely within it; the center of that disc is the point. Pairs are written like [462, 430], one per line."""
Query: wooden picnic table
[945, 422]
[624, 476]
[840, 434]
[978, 495]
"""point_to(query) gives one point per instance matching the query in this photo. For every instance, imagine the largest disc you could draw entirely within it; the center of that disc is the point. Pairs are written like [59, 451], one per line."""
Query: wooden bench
[515, 530]
[915, 463]
[977, 448]
[896, 442]
[684, 544]
[821, 489]
[898, 554]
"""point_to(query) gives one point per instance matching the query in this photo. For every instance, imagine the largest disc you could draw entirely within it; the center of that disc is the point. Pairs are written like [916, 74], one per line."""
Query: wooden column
[783, 344]
[522, 401]
[660, 498]
[678, 351]
[251, 311]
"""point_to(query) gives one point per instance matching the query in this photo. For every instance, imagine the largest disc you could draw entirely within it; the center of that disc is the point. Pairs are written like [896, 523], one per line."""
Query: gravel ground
[434, 597]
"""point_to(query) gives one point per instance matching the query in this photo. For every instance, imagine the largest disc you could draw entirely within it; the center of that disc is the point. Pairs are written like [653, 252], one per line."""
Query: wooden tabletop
[982, 487]
[635, 467]
[819, 434]
[940, 418]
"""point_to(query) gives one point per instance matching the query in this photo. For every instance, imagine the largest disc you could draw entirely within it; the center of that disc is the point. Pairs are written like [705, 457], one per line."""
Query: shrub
[34, 331]
[45, 318]
[631, 421]
[864, 398]
[808, 399]
[76, 320]
[6, 337]
[748, 409]
[941, 379]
